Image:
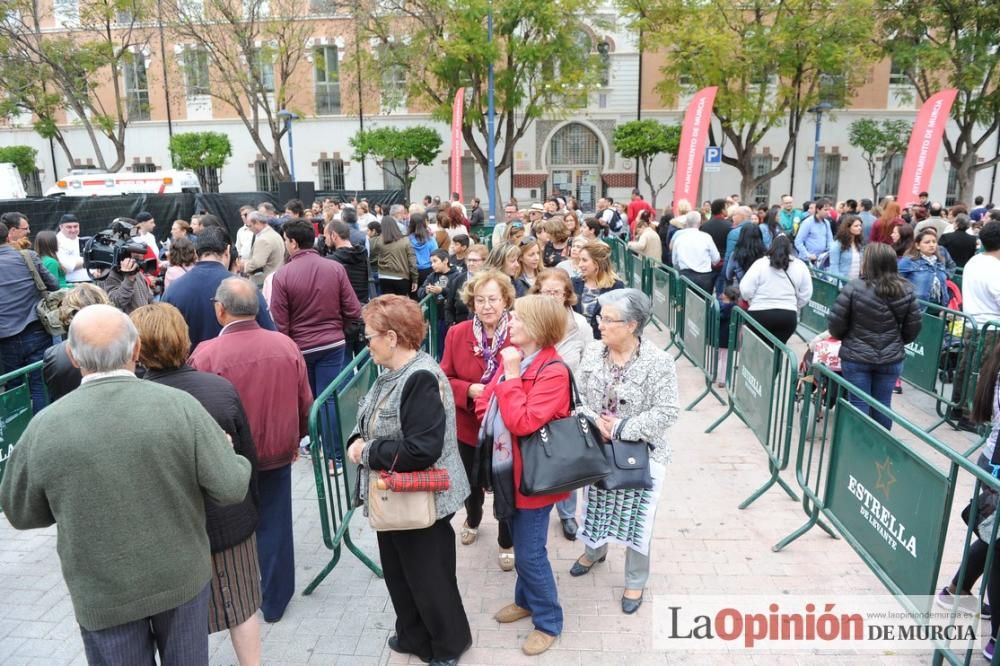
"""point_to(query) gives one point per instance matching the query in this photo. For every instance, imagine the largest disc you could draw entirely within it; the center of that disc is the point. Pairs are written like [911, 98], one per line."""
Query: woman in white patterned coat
[629, 389]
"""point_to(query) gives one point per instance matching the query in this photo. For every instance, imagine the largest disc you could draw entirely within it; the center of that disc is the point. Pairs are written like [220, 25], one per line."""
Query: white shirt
[244, 241]
[149, 239]
[693, 249]
[768, 288]
[68, 253]
[94, 376]
[981, 288]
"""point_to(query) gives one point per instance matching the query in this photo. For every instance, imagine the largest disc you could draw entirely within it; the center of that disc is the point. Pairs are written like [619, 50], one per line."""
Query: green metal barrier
[812, 319]
[700, 334]
[334, 493]
[888, 500]
[619, 255]
[636, 271]
[762, 378]
[15, 411]
[968, 376]
[428, 307]
[662, 285]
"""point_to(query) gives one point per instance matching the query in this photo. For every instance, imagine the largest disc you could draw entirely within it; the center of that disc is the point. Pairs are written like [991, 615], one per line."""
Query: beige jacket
[266, 256]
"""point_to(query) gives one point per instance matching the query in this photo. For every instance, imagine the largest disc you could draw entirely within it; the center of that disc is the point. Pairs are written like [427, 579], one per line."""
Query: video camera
[107, 248]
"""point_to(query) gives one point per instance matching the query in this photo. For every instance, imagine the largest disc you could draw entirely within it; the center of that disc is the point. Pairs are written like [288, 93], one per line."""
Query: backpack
[615, 226]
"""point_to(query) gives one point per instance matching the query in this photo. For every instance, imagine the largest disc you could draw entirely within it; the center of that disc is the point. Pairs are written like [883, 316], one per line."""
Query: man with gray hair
[742, 216]
[694, 253]
[399, 213]
[128, 497]
[269, 373]
[267, 250]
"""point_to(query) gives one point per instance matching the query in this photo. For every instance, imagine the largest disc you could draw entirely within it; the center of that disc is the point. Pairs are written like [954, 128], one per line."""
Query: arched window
[575, 145]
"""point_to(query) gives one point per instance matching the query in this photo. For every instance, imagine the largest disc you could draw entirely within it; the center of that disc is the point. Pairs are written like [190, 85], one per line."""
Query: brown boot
[537, 642]
[511, 613]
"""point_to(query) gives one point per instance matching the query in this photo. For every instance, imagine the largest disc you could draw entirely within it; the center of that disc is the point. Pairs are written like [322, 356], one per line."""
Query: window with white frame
[761, 164]
[326, 63]
[264, 67]
[393, 81]
[263, 176]
[898, 75]
[890, 186]
[951, 194]
[143, 167]
[394, 174]
[828, 176]
[66, 12]
[331, 174]
[195, 63]
[136, 86]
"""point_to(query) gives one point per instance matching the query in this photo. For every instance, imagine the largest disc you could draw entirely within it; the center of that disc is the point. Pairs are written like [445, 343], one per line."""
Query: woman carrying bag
[531, 390]
[406, 423]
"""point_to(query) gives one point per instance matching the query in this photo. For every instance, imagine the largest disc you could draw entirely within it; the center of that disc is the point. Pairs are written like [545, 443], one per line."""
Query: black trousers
[474, 502]
[419, 568]
[398, 287]
[704, 280]
[779, 323]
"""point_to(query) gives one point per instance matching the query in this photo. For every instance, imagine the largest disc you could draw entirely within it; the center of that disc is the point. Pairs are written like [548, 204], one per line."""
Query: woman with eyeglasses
[596, 278]
[629, 390]
[455, 309]
[471, 359]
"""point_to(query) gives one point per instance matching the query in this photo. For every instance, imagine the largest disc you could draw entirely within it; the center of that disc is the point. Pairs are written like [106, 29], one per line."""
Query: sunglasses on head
[516, 225]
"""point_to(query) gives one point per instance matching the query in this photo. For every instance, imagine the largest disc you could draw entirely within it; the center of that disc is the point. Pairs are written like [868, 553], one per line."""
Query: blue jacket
[192, 294]
[20, 295]
[840, 259]
[423, 251]
[814, 238]
[734, 235]
[922, 274]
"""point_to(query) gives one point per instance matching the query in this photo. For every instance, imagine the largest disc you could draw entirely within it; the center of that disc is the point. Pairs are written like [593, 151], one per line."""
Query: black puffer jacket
[871, 329]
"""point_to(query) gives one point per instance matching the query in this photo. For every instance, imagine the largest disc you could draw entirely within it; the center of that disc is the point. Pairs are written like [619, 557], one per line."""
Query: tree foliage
[200, 152]
[644, 140]
[879, 142]
[544, 55]
[401, 151]
[42, 72]
[251, 48]
[22, 157]
[951, 44]
[772, 62]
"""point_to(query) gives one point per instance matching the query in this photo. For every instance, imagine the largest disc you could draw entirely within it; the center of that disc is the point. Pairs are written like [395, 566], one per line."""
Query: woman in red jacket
[528, 392]
[470, 361]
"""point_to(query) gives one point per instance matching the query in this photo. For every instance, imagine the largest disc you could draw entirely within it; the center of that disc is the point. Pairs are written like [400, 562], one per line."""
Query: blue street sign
[713, 158]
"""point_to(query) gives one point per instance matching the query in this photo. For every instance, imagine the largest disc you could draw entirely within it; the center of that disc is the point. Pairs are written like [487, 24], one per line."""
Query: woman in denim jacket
[926, 267]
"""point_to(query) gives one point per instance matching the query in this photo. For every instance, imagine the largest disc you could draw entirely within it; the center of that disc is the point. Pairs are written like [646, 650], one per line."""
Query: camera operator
[127, 286]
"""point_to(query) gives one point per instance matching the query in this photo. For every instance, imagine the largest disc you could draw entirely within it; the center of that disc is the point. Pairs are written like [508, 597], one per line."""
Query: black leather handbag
[564, 454]
[629, 463]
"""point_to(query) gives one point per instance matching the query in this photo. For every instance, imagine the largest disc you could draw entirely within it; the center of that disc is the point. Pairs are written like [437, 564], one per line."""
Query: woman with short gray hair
[629, 390]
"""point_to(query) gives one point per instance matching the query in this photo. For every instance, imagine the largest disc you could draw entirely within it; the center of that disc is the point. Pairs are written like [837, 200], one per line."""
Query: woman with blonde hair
[570, 265]
[596, 278]
[58, 372]
[506, 258]
[530, 261]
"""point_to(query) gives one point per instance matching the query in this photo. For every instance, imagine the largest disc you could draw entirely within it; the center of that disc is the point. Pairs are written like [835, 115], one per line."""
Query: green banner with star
[888, 501]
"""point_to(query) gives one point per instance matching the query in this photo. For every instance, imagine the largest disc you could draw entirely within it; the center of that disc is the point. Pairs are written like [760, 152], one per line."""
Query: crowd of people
[528, 321]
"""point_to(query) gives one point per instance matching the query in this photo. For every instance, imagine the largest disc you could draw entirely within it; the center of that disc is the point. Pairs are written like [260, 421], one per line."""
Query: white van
[11, 186]
[87, 183]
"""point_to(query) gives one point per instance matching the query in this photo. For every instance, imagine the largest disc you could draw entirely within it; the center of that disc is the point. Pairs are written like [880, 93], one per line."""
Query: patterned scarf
[489, 350]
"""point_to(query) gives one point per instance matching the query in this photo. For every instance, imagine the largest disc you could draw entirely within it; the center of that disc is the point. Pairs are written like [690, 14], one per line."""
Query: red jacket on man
[464, 368]
[526, 404]
[632, 212]
[311, 299]
[269, 373]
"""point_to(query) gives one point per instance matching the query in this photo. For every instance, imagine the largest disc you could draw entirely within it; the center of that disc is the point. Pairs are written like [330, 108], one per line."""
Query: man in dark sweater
[192, 293]
[718, 227]
[354, 259]
[128, 496]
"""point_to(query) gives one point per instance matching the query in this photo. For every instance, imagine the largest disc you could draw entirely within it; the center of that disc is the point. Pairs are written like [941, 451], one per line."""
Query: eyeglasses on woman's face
[492, 301]
[607, 320]
[371, 336]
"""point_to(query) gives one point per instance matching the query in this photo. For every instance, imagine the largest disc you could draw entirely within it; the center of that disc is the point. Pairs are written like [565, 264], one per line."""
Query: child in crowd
[727, 301]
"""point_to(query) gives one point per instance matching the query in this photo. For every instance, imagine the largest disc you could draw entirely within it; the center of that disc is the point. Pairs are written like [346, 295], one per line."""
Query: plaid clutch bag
[428, 480]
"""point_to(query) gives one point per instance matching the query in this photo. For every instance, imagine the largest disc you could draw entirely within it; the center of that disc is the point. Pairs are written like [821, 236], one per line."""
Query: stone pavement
[702, 544]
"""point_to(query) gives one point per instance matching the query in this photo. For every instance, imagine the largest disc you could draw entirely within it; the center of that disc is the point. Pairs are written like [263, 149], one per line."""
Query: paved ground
[702, 544]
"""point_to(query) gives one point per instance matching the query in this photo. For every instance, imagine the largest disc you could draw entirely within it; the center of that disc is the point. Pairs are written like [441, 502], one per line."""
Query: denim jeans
[567, 508]
[535, 588]
[23, 349]
[636, 565]
[875, 379]
[322, 368]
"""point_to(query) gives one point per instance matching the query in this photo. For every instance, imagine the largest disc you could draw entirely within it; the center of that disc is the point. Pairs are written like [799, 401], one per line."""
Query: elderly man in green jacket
[127, 493]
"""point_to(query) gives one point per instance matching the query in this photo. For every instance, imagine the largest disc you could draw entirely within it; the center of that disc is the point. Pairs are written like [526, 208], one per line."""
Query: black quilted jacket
[873, 330]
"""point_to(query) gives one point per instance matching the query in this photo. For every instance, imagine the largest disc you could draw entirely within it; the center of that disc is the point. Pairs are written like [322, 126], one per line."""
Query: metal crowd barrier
[761, 382]
[812, 318]
[428, 307]
[15, 410]
[700, 321]
[332, 418]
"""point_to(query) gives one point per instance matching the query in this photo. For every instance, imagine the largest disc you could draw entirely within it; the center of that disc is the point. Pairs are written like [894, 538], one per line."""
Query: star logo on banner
[885, 476]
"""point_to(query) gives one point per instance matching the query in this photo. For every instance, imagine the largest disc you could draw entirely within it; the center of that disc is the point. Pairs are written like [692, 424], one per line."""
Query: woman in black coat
[236, 595]
[875, 317]
[58, 372]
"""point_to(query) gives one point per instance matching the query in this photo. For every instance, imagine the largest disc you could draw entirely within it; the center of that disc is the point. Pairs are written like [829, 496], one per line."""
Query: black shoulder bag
[563, 454]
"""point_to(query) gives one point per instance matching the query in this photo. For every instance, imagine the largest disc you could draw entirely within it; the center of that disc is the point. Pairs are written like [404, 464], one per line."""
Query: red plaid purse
[428, 480]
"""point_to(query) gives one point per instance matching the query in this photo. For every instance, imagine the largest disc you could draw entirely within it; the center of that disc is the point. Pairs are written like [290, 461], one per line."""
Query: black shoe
[630, 606]
[579, 569]
[445, 662]
[569, 528]
[967, 425]
[393, 644]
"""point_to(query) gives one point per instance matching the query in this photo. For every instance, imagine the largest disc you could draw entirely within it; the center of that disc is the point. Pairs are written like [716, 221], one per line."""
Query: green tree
[643, 140]
[202, 152]
[43, 72]
[22, 157]
[400, 151]
[543, 53]
[772, 61]
[951, 44]
[879, 142]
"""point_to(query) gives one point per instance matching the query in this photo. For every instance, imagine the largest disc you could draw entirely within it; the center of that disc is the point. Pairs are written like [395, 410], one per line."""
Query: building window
[66, 12]
[575, 144]
[951, 194]
[890, 186]
[898, 75]
[136, 87]
[761, 164]
[209, 178]
[195, 63]
[143, 167]
[327, 67]
[32, 183]
[393, 174]
[828, 176]
[393, 81]
[264, 68]
[265, 179]
[331, 175]
[833, 89]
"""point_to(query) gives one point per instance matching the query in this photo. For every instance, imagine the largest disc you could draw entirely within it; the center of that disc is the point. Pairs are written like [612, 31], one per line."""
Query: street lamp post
[819, 109]
[490, 127]
[288, 117]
